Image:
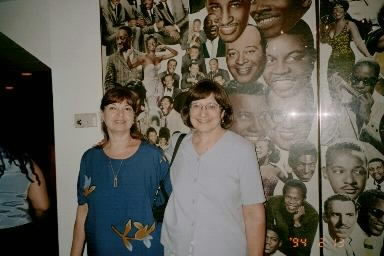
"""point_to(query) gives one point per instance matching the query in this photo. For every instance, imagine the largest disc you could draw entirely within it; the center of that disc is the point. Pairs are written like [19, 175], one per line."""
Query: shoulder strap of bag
[161, 188]
[178, 142]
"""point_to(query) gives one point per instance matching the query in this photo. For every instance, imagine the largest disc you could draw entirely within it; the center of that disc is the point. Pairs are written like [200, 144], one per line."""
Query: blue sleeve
[83, 181]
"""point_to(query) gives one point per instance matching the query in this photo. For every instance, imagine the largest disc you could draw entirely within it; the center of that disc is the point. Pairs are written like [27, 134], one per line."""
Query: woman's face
[262, 149]
[118, 117]
[151, 44]
[338, 12]
[206, 115]
[152, 137]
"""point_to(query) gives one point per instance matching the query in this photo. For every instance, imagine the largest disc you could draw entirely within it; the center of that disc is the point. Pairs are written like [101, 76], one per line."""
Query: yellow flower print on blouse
[142, 234]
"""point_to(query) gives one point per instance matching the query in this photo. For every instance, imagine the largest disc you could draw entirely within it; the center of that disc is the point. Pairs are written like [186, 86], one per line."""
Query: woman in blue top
[117, 182]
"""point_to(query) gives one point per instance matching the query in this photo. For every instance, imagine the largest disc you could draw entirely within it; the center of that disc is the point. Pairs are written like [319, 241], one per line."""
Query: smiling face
[346, 172]
[123, 41]
[305, 167]
[118, 117]
[293, 199]
[262, 149]
[211, 26]
[194, 53]
[213, 65]
[338, 12]
[247, 110]
[364, 79]
[245, 56]
[376, 170]
[171, 66]
[273, 17]
[148, 4]
[166, 106]
[341, 218]
[289, 65]
[196, 25]
[151, 44]
[205, 115]
[232, 16]
[288, 120]
[168, 81]
[194, 69]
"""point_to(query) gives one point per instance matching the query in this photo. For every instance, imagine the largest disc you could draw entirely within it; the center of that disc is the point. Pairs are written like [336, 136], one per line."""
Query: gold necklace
[115, 175]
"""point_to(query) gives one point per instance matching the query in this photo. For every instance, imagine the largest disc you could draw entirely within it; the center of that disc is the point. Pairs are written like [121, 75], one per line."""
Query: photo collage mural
[305, 79]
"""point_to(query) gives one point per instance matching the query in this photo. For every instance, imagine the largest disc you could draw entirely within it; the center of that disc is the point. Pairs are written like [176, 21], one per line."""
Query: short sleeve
[251, 187]
[83, 181]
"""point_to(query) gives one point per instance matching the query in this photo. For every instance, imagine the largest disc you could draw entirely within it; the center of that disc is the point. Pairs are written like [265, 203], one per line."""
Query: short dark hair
[215, 59]
[298, 149]
[337, 197]
[174, 60]
[149, 130]
[275, 229]
[120, 94]
[168, 98]
[164, 133]
[343, 147]
[195, 47]
[163, 78]
[376, 160]
[218, 75]
[294, 183]
[127, 29]
[343, 3]
[202, 90]
[194, 63]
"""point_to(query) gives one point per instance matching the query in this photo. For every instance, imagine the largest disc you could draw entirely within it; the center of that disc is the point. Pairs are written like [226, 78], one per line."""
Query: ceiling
[14, 58]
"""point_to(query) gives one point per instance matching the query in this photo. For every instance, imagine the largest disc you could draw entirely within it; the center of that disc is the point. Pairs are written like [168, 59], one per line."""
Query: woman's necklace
[115, 175]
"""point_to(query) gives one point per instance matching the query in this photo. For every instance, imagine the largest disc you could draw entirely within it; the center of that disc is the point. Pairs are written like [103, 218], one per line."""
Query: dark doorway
[26, 112]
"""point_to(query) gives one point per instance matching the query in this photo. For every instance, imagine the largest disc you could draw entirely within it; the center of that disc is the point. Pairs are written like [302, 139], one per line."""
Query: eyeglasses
[210, 107]
[366, 81]
[377, 213]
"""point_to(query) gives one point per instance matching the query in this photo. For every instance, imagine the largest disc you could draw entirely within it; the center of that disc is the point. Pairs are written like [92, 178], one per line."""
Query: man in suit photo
[169, 89]
[232, 21]
[117, 70]
[214, 46]
[215, 70]
[175, 17]
[114, 14]
[171, 67]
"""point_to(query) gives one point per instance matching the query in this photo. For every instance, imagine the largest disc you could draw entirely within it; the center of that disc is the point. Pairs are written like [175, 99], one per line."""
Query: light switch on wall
[85, 120]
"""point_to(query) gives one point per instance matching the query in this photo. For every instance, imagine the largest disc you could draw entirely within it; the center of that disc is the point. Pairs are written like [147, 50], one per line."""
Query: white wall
[64, 34]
